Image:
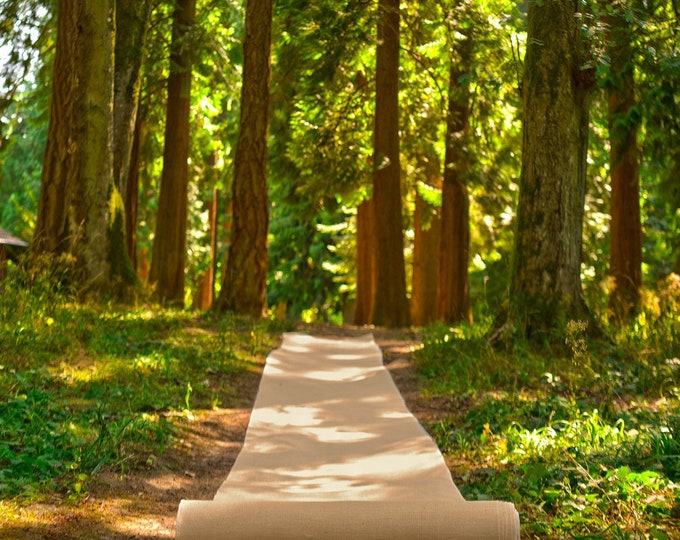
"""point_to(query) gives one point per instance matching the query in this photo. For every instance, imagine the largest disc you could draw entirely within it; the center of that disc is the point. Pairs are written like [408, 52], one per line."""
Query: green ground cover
[584, 439]
[86, 387]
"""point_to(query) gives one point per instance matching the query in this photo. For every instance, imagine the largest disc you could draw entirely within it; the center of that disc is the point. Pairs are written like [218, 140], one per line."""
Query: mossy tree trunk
[244, 289]
[169, 246]
[390, 307]
[545, 286]
[73, 210]
[625, 230]
[132, 22]
[453, 291]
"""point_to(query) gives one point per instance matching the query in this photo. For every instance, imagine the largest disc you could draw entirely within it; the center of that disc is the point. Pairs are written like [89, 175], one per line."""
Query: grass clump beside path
[85, 387]
[585, 442]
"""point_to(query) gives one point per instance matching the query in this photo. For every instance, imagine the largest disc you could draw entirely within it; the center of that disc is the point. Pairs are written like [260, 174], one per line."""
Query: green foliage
[21, 162]
[585, 441]
[87, 388]
[307, 273]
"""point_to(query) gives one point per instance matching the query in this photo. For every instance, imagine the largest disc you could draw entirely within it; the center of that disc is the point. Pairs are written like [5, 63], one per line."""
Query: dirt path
[143, 503]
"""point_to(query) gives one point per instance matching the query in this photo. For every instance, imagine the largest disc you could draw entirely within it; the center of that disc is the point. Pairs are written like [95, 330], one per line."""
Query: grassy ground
[85, 388]
[583, 438]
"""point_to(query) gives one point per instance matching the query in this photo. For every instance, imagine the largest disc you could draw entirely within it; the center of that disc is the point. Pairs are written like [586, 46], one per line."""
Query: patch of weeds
[584, 440]
[86, 388]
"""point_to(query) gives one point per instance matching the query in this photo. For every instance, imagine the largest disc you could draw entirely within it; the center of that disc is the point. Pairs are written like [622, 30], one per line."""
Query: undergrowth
[584, 439]
[85, 387]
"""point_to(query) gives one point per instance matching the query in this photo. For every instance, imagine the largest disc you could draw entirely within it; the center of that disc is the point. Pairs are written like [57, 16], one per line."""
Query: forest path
[143, 503]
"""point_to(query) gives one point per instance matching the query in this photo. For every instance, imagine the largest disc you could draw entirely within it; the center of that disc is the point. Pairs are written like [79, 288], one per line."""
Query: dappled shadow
[329, 424]
[332, 445]
[143, 503]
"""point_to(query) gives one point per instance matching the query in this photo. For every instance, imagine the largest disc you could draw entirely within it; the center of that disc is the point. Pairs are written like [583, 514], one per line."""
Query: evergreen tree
[244, 286]
[74, 209]
[169, 247]
[545, 285]
[390, 307]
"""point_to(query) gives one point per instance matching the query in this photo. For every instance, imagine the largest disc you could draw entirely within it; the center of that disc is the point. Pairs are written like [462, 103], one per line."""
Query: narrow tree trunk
[427, 234]
[205, 291]
[626, 232]
[453, 292]
[365, 263]
[169, 247]
[73, 214]
[244, 289]
[132, 22]
[132, 192]
[390, 305]
[132, 17]
[545, 288]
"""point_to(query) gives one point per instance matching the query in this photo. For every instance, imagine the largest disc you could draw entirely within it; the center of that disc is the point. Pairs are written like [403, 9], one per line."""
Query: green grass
[584, 439]
[84, 388]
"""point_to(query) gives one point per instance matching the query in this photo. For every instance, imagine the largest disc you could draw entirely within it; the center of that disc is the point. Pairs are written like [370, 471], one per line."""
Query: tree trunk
[365, 263]
[427, 234]
[453, 291]
[391, 305]
[244, 289]
[132, 192]
[169, 247]
[132, 17]
[205, 291]
[132, 22]
[545, 287]
[73, 213]
[626, 232]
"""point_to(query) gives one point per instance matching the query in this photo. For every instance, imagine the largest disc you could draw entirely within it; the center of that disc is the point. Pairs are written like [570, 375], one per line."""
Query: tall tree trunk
[73, 211]
[365, 263]
[132, 192]
[427, 234]
[169, 247]
[545, 288]
[244, 289]
[132, 18]
[132, 22]
[390, 305]
[626, 231]
[453, 291]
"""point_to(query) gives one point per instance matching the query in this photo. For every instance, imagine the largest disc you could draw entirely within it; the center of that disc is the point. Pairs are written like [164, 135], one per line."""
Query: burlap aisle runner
[332, 452]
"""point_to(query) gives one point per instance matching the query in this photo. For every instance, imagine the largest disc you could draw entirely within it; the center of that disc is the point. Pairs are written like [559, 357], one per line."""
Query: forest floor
[142, 504]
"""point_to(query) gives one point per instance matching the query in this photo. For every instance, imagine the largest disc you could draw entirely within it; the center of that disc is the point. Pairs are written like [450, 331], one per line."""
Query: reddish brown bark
[390, 306]
[365, 263]
[427, 229]
[453, 294]
[626, 232]
[169, 247]
[244, 289]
